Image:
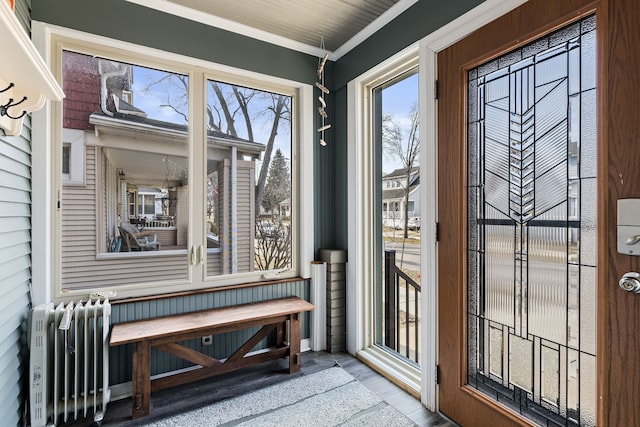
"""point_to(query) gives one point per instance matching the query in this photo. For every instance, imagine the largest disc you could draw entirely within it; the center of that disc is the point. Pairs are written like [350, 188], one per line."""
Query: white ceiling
[295, 24]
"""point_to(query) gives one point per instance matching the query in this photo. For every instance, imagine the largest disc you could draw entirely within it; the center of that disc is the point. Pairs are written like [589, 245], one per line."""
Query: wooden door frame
[524, 24]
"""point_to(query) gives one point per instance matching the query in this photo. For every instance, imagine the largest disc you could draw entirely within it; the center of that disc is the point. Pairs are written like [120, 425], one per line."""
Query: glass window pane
[398, 216]
[132, 123]
[250, 204]
[66, 154]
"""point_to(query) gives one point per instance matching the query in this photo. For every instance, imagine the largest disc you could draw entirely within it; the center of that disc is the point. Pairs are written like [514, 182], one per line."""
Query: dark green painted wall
[420, 20]
[130, 22]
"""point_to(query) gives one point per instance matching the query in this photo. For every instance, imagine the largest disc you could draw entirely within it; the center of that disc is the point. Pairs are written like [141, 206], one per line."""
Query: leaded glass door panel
[531, 203]
[528, 257]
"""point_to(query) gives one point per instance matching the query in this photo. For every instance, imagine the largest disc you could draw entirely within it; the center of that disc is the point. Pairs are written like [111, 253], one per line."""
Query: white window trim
[359, 271]
[46, 182]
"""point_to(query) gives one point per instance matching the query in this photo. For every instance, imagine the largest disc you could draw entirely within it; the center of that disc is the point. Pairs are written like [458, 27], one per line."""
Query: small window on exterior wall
[66, 155]
[73, 157]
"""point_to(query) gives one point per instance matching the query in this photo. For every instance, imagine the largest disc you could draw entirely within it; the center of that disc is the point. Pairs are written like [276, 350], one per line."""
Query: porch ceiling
[298, 24]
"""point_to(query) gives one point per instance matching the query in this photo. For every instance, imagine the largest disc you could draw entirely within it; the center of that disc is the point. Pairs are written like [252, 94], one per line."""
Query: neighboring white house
[285, 208]
[393, 197]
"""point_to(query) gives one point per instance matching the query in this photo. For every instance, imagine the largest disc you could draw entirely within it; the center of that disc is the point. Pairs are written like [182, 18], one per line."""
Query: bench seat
[164, 333]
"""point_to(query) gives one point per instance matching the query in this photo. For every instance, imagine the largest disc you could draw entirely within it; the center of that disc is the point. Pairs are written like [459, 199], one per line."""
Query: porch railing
[401, 304]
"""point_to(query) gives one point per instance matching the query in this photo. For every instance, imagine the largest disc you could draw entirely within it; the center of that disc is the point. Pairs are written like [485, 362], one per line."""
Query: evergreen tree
[278, 186]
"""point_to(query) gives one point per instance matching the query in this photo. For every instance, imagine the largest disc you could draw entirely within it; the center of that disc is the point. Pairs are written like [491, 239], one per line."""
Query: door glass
[397, 293]
[250, 214]
[532, 228]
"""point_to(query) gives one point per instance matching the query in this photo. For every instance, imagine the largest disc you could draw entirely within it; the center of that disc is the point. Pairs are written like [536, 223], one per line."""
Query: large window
[247, 228]
[386, 205]
[186, 174]
[397, 146]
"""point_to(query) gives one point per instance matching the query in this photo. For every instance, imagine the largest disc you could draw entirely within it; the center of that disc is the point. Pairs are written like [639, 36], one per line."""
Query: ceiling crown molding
[245, 30]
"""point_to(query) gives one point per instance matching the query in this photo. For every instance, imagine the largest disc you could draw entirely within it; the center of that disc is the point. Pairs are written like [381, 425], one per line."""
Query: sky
[397, 99]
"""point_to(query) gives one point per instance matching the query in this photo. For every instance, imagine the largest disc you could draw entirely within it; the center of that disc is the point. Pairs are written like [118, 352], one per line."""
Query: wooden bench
[164, 333]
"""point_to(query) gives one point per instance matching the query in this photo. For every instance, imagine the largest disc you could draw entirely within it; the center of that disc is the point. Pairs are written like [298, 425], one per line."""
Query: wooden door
[617, 127]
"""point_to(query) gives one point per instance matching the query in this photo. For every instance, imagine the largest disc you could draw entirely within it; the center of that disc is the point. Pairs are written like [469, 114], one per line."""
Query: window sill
[204, 291]
[402, 374]
[142, 254]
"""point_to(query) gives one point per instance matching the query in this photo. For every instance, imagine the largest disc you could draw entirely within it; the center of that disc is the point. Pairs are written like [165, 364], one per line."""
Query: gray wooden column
[336, 298]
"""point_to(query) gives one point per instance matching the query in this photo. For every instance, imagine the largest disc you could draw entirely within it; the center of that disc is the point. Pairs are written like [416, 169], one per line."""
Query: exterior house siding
[15, 260]
[244, 214]
[15, 270]
[246, 197]
[80, 245]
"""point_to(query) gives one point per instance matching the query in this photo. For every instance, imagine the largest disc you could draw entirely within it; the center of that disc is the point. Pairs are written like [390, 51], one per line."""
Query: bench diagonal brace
[189, 354]
[251, 342]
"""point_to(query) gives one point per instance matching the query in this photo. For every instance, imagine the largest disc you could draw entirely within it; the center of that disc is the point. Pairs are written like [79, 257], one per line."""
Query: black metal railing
[401, 303]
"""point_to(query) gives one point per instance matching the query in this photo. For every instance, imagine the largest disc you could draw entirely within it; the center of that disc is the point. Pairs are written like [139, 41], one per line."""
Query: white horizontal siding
[14, 223]
[245, 192]
[15, 252]
[14, 209]
[19, 169]
[81, 269]
[15, 269]
[214, 264]
[10, 180]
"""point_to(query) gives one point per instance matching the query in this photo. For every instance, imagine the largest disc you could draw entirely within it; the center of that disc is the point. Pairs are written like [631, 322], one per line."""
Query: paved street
[411, 259]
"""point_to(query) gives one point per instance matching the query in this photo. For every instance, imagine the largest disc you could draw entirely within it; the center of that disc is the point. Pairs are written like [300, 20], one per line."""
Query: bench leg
[141, 381]
[280, 334]
[294, 342]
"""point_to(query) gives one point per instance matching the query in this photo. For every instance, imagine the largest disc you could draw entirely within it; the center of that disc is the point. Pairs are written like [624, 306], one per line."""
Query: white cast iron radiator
[69, 362]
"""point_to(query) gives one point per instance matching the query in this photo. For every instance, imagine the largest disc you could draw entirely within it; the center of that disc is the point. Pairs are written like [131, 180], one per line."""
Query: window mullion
[197, 176]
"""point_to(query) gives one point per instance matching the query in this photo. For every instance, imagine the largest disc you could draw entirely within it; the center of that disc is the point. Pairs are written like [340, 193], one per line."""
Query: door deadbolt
[630, 282]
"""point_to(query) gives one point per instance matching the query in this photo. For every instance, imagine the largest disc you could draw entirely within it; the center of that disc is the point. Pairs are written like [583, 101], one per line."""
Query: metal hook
[7, 88]
[4, 108]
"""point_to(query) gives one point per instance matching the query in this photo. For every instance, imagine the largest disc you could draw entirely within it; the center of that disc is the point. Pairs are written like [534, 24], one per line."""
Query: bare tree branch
[186, 119]
[231, 129]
